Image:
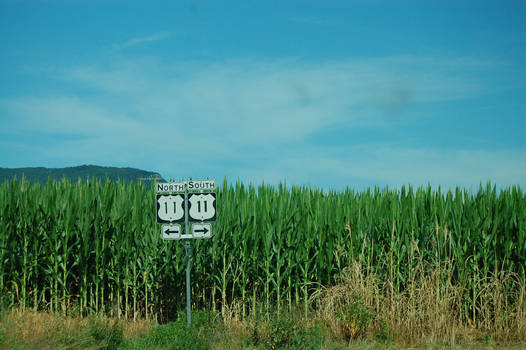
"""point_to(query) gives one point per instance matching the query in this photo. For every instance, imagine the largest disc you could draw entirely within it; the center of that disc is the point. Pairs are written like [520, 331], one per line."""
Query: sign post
[188, 250]
[175, 204]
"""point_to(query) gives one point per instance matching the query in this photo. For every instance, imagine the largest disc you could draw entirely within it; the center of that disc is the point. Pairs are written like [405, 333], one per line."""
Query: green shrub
[287, 332]
[178, 335]
[355, 318]
[107, 334]
[308, 338]
[383, 336]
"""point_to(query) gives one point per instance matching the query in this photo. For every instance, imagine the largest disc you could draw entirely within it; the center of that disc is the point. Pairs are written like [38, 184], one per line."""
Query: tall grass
[94, 247]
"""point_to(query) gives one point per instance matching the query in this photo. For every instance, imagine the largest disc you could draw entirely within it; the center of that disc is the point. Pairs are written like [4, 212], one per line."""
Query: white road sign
[201, 185]
[187, 201]
[172, 231]
[202, 206]
[170, 208]
[179, 187]
[201, 230]
[170, 187]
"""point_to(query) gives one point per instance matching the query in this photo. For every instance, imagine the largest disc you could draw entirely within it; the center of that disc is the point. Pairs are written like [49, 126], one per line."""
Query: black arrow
[204, 230]
[168, 231]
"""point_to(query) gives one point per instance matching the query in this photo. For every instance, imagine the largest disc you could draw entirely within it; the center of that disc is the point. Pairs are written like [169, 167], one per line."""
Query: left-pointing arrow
[171, 231]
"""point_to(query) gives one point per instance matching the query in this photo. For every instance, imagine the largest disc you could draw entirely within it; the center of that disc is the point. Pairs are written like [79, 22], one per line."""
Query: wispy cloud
[143, 40]
[395, 166]
[272, 99]
[253, 120]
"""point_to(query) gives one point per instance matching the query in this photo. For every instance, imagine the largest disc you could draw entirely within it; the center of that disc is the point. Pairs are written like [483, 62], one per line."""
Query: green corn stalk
[97, 245]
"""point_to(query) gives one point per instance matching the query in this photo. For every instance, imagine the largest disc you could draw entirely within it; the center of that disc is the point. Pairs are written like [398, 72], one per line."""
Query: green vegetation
[384, 265]
[43, 331]
[83, 172]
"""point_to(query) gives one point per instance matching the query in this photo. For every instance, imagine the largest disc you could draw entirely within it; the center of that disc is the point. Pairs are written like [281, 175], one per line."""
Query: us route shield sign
[202, 206]
[170, 208]
[195, 198]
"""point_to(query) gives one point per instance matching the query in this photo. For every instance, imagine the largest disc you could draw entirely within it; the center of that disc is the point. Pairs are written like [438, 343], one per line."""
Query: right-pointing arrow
[201, 230]
[204, 230]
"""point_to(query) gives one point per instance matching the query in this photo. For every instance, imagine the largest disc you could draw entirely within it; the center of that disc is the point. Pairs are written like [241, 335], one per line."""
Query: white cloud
[281, 100]
[363, 165]
[143, 40]
[252, 119]
[449, 167]
[65, 115]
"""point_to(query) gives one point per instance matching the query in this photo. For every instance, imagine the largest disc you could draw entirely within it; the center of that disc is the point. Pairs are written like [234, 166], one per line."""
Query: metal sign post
[198, 207]
[188, 249]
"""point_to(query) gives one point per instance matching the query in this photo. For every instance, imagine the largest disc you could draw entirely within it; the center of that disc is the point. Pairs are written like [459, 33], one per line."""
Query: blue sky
[322, 93]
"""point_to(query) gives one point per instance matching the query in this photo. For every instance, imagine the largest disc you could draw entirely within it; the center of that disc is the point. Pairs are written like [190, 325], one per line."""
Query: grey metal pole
[188, 249]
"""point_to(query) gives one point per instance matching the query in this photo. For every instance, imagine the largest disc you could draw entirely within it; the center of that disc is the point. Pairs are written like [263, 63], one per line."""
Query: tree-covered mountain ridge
[82, 172]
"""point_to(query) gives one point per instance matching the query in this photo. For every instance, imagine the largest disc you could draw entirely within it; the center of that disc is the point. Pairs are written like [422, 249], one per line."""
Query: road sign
[183, 236]
[201, 185]
[193, 200]
[172, 231]
[202, 207]
[201, 230]
[170, 187]
[170, 208]
[192, 185]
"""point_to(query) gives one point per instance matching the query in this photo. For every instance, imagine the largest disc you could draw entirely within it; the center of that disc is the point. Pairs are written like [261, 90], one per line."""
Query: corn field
[95, 247]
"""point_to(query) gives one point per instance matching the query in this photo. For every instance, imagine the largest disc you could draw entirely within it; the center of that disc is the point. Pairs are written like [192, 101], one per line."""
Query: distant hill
[83, 172]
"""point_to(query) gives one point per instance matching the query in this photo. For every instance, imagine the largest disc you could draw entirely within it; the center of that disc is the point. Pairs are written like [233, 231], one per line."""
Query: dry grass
[360, 311]
[45, 330]
[428, 311]
[40, 330]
